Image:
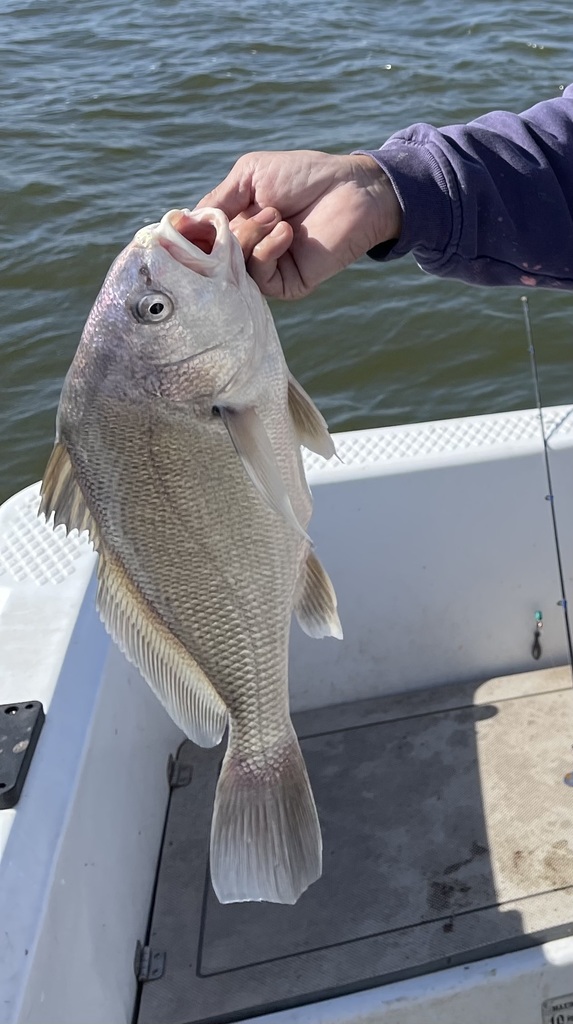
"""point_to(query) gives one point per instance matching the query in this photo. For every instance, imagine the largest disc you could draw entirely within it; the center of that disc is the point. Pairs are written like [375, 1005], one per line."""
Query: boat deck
[447, 826]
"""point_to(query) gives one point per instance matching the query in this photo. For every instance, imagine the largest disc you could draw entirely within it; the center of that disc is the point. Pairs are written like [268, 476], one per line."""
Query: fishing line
[549, 496]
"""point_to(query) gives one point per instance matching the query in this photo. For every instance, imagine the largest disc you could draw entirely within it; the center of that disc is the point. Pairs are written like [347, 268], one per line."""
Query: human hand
[302, 216]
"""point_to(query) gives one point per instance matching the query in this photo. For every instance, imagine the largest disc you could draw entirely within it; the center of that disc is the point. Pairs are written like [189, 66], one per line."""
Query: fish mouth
[199, 239]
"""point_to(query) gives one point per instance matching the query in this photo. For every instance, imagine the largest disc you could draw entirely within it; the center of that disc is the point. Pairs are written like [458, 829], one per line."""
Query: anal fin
[315, 601]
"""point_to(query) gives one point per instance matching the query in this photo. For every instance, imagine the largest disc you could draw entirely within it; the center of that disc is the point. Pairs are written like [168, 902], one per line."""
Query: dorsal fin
[61, 494]
[173, 674]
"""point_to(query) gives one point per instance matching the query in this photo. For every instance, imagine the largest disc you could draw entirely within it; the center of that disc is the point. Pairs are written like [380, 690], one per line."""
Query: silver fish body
[178, 448]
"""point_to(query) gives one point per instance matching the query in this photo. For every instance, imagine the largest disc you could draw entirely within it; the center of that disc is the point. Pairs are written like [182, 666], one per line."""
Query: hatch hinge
[178, 773]
[148, 963]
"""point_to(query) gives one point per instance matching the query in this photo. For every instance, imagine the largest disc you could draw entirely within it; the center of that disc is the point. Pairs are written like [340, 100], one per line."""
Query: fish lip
[169, 233]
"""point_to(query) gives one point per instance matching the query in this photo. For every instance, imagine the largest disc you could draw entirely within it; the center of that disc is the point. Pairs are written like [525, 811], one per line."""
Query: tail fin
[265, 837]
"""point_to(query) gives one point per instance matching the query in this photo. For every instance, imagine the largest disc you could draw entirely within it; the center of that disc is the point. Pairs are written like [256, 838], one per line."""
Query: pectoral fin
[315, 601]
[174, 676]
[310, 425]
[61, 494]
[252, 444]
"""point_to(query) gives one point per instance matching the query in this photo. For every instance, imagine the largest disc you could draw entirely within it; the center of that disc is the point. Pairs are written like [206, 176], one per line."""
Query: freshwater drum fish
[178, 448]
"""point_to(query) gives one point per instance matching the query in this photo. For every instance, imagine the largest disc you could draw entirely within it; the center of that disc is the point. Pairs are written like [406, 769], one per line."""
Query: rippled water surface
[110, 114]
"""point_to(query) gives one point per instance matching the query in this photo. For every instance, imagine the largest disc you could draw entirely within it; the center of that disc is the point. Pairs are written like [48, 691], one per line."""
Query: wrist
[383, 209]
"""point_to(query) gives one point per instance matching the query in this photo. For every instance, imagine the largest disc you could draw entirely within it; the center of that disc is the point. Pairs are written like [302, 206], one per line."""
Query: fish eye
[153, 308]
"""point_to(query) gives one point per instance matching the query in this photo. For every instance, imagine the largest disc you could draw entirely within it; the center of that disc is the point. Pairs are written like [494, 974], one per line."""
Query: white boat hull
[439, 540]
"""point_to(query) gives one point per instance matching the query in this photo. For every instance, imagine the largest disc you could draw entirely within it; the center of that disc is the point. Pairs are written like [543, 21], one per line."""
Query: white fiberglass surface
[439, 542]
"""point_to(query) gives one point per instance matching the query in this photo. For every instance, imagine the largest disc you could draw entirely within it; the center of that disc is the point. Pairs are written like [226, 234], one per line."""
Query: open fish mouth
[199, 239]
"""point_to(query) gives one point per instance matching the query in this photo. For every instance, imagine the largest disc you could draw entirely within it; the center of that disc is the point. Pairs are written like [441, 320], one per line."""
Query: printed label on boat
[558, 1010]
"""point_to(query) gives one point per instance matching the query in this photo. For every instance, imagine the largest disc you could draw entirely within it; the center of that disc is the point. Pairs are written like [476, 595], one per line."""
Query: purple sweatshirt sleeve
[490, 202]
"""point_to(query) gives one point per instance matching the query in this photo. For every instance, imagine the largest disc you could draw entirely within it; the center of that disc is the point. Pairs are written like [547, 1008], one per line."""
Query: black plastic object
[20, 726]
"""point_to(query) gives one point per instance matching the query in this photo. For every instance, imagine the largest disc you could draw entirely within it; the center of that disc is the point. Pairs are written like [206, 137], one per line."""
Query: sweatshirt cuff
[427, 193]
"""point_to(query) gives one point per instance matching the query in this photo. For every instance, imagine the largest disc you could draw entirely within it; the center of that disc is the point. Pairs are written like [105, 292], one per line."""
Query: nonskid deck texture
[448, 837]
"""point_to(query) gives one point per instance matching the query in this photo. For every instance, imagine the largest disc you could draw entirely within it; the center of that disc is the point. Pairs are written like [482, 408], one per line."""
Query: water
[111, 114]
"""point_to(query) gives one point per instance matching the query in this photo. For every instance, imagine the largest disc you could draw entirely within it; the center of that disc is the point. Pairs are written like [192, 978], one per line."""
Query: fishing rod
[550, 497]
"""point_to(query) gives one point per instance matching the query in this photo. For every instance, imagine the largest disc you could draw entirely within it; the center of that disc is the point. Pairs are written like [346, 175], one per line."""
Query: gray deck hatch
[448, 836]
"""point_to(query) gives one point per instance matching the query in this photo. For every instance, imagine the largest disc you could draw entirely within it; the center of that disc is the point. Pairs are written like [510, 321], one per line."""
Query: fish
[178, 448]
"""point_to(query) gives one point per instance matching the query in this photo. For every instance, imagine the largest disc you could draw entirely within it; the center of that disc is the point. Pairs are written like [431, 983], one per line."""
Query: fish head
[178, 316]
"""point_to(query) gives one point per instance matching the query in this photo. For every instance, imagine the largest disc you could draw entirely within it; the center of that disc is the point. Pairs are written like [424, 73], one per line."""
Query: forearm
[490, 202]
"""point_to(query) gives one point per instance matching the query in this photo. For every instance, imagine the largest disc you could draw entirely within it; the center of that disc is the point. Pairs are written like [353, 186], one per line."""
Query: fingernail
[266, 216]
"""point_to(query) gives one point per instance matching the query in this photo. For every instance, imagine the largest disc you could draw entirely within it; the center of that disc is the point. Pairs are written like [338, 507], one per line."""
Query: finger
[275, 244]
[251, 230]
[230, 203]
[233, 195]
[272, 267]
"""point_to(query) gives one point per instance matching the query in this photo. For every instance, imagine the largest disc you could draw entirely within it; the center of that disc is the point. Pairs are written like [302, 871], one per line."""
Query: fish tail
[265, 836]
